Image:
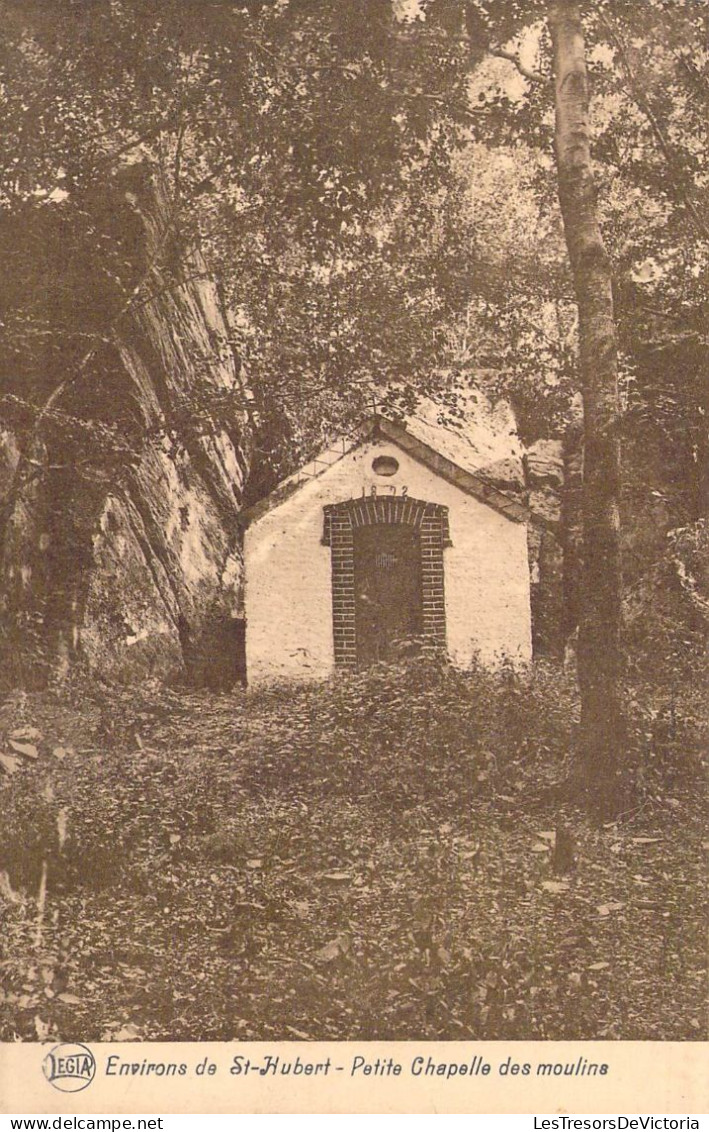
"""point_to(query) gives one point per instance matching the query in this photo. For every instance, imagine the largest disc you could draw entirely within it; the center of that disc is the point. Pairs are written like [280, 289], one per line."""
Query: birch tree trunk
[599, 647]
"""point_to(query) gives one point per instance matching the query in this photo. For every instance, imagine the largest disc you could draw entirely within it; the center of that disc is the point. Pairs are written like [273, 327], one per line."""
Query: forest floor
[369, 860]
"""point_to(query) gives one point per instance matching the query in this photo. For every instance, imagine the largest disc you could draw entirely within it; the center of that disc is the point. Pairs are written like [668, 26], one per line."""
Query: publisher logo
[69, 1068]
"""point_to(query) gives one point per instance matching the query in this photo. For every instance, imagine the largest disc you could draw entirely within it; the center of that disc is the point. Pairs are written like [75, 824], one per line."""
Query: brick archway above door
[429, 523]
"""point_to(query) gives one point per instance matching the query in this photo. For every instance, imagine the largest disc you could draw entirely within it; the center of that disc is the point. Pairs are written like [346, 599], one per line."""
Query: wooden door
[388, 603]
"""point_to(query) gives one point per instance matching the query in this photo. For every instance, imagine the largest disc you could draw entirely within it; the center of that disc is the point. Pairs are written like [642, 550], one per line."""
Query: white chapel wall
[288, 574]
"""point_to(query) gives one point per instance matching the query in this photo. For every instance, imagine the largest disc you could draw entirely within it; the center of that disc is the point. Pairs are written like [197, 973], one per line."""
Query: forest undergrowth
[382, 857]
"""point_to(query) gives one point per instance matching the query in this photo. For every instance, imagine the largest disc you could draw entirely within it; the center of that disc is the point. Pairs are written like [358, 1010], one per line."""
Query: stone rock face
[544, 463]
[572, 525]
[118, 523]
[9, 459]
[544, 468]
[484, 440]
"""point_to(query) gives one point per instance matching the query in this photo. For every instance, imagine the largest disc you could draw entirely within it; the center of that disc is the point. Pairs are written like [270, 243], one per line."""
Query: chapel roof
[444, 450]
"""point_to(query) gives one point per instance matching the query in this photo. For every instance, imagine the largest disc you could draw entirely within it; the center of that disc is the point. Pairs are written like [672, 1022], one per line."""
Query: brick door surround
[340, 523]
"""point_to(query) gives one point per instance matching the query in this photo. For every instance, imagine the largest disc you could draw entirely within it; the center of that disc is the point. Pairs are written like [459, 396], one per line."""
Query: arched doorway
[387, 575]
[388, 594]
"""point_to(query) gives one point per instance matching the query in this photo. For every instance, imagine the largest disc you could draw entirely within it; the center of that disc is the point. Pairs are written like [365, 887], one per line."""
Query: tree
[599, 646]
[650, 98]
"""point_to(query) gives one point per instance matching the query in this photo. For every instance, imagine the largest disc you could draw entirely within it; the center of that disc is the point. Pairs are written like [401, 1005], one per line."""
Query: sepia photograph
[354, 542]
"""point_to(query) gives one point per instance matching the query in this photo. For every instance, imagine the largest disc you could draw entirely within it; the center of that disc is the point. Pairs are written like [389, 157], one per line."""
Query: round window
[385, 466]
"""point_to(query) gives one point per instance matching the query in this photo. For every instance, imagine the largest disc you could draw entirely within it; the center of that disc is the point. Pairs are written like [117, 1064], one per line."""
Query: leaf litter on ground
[210, 886]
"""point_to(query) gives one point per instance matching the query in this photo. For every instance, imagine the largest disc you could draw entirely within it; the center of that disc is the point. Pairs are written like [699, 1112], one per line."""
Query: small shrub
[416, 733]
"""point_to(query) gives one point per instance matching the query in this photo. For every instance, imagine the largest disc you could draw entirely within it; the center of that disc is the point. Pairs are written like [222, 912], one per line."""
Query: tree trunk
[599, 647]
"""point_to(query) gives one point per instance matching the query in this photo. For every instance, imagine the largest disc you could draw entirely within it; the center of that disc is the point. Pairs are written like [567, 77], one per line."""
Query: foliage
[334, 165]
[371, 859]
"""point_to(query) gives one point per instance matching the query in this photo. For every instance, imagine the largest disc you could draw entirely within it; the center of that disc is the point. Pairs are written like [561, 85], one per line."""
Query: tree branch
[441, 100]
[658, 133]
[511, 57]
